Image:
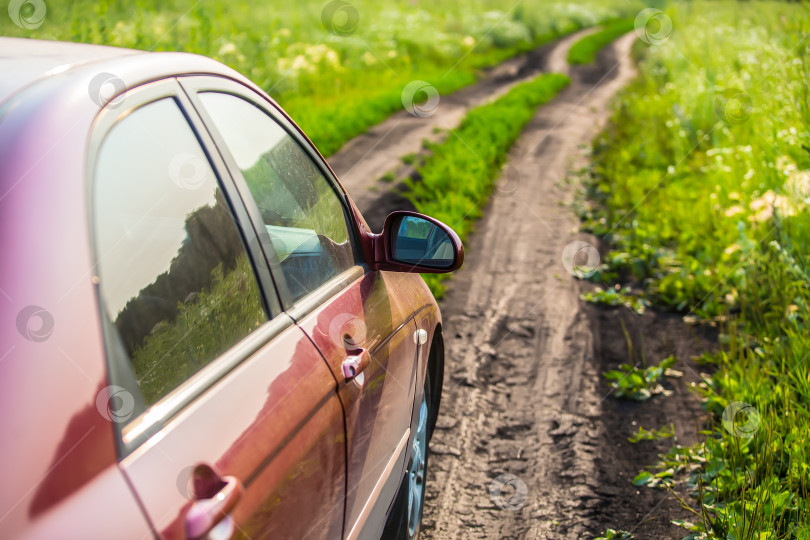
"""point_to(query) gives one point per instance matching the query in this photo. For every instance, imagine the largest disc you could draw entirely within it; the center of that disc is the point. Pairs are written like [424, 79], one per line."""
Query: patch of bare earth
[624, 337]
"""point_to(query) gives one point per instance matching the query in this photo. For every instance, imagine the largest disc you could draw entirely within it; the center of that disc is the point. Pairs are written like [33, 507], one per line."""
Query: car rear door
[227, 417]
[362, 322]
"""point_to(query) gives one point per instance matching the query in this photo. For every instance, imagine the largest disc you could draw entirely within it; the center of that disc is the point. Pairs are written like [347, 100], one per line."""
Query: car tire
[405, 519]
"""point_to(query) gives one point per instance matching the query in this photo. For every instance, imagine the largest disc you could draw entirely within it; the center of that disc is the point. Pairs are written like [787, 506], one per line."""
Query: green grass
[613, 534]
[639, 384]
[613, 297]
[585, 50]
[335, 86]
[666, 432]
[702, 186]
[460, 174]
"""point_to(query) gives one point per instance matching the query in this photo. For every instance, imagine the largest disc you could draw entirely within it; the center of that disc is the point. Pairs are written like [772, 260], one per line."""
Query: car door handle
[210, 517]
[354, 365]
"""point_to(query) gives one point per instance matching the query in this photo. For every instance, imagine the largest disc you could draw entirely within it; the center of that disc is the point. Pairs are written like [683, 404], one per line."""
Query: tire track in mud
[521, 393]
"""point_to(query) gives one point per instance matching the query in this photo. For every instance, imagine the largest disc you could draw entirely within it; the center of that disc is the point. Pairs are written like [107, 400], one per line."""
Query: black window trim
[138, 429]
[195, 84]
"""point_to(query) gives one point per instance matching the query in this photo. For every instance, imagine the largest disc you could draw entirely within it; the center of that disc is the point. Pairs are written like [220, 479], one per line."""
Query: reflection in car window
[175, 277]
[419, 241]
[301, 210]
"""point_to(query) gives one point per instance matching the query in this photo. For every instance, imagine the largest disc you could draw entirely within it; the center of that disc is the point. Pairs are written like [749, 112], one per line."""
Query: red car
[201, 337]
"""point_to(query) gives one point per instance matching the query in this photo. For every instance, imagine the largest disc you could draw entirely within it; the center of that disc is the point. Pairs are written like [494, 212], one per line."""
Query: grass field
[337, 67]
[701, 188]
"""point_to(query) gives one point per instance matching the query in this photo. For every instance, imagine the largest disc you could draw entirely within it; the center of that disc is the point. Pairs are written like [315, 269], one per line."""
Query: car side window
[175, 278]
[300, 208]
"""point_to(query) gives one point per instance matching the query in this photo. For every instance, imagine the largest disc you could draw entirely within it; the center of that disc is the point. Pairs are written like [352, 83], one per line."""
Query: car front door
[228, 420]
[365, 333]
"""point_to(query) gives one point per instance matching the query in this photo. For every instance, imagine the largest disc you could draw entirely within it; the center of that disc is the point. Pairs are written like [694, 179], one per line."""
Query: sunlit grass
[702, 190]
[335, 84]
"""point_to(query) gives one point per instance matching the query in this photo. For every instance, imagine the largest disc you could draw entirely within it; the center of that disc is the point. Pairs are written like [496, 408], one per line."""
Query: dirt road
[529, 444]
[521, 397]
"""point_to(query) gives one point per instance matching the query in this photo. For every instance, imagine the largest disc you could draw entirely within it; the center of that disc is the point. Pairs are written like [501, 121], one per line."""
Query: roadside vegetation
[585, 50]
[461, 172]
[337, 67]
[701, 188]
[640, 384]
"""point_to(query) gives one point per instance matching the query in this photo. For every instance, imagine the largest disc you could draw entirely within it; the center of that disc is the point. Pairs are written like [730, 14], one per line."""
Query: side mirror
[412, 242]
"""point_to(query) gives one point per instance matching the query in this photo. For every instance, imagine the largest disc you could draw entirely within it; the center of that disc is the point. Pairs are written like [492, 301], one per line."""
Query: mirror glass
[419, 242]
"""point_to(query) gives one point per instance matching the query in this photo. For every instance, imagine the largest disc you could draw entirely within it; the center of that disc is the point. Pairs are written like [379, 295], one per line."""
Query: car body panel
[51, 373]
[121, 512]
[46, 58]
[371, 314]
[275, 423]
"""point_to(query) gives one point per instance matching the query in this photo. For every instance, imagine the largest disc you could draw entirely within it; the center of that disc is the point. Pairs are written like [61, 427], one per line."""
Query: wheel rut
[519, 429]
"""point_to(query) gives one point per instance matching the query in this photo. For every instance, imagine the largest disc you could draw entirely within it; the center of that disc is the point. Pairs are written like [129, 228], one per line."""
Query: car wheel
[406, 517]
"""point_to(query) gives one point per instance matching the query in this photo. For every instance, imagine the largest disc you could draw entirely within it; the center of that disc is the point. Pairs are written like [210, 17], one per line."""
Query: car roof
[25, 61]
